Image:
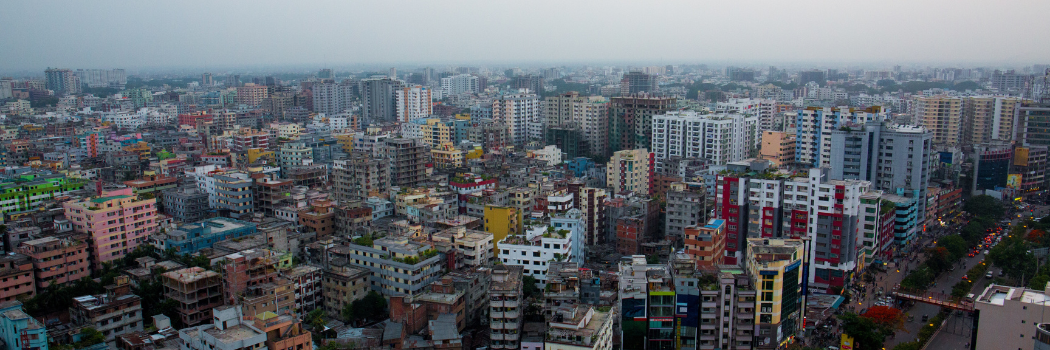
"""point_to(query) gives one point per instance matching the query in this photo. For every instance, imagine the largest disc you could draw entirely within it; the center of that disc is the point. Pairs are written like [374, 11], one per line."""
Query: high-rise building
[1010, 81]
[895, 159]
[778, 147]
[325, 73]
[686, 206]
[521, 113]
[359, 177]
[116, 221]
[630, 171]
[638, 82]
[591, 202]
[775, 268]
[413, 102]
[207, 79]
[1033, 125]
[988, 118]
[62, 81]
[533, 83]
[630, 120]
[814, 126]
[333, 98]
[460, 84]
[101, 78]
[506, 311]
[586, 114]
[378, 99]
[721, 138]
[252, 94]
[811, 75]
[942, 116]
[647, 303]
[407, 159]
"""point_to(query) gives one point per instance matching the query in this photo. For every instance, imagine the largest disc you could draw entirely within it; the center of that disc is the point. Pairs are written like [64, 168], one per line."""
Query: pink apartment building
[57, 260]
[117, 222]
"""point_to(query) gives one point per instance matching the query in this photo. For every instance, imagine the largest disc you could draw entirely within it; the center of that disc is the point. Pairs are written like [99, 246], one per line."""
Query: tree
[938, 259]
[90, 336]
[955, 245]
[348, 312]
[885, 316]
[529, 287]
[652, 259]
[984, 205]
[1013, 257]
[867, 334]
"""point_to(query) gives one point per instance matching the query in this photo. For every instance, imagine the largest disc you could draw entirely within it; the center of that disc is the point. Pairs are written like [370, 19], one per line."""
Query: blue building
[580, 165]
[191, 238]
[14, 321]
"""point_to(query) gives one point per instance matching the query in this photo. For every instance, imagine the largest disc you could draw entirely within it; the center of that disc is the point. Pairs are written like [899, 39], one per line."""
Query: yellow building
[628, 171]
[447, 155]
[988, 118]
[345, 140]
[501, 222]
[475, 153]
[942, 116]
[256, 153]
[435, 132]
[775, 267]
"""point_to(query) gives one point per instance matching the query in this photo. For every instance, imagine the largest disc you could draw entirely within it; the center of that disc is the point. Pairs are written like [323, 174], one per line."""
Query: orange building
[778, 147]
[706, 244]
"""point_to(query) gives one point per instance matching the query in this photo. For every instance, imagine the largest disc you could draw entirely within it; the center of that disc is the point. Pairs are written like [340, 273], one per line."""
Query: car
[925, 318]
[965, 277]
[989, 275]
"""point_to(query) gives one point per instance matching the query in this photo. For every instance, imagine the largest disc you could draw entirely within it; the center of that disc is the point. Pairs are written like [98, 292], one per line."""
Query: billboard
[1013, 181]
[1021, 156]
[847, 342]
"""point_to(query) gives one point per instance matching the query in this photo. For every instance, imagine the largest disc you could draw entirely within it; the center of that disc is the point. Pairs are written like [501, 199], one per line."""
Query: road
[955, 334]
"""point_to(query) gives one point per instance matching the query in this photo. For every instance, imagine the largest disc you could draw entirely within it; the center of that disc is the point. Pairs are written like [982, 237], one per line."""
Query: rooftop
[190, 275]
[233, 334]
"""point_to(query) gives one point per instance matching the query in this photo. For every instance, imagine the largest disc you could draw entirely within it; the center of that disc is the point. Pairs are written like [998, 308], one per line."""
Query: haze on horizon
[203, 34]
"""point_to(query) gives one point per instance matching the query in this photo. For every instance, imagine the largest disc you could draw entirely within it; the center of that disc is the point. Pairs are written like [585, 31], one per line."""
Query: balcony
[496, 303]
[497, 336]
[498, 325]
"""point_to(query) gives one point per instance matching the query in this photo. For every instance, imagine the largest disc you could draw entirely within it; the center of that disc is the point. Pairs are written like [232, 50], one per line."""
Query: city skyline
[183, 35]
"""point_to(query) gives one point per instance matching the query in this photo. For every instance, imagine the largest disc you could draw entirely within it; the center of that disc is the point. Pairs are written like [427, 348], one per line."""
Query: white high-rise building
[764, 109]
[813, 129]
[722, 138]
[413, 102]
[331, 98]
[560, 240]
[521, 112]
[459, 84]
[97, 78]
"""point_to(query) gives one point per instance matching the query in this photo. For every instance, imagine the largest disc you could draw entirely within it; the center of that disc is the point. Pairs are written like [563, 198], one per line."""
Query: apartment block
[117, 222]
[942, 116]
[686, 206]
[343, 283]
[630, 171]
[630, 120]
[19, 330]
[895, 159]
[58, 261]
[244, 270]
[647, 303]
[16, 277]
[580, 327]
[813, 127]
[191, 238]
[473, 248]
[251, 94]
[407, 158]
[721, 138]
[779, 148]
[233, 194]
[520, 111]
[560, 240]
[197, 290]
[775, 269]
[413, 102]
[306, 281]
[398, 265]
[186, 204]
[706, 244]
[114, 313]
[229, 329]
[505, 308]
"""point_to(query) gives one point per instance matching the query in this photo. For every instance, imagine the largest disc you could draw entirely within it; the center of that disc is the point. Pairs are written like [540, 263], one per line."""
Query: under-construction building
[631, 120]
[197, 290]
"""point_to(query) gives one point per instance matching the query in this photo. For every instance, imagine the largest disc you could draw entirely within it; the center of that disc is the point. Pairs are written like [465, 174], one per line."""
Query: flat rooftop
[232, 334]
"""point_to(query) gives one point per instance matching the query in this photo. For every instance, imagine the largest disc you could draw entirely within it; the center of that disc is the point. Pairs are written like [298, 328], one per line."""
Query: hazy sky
[203, 34]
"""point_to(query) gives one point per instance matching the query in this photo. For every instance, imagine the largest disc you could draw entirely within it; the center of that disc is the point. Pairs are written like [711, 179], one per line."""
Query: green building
[27, 192]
